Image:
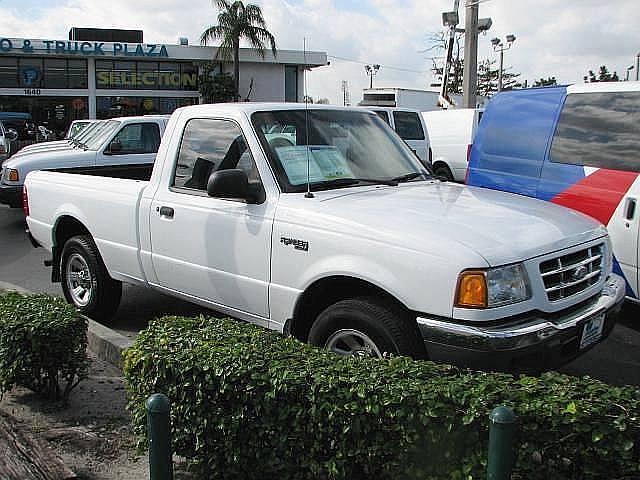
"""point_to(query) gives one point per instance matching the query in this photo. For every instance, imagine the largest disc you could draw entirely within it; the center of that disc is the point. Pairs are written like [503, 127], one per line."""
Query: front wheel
[366, 327]
[85, 280]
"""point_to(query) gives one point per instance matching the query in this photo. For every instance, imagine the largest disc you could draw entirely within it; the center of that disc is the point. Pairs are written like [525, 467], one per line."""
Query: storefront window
[111, 107]
[55, 113]
[146, 75]
[290, 83]
[8, 72]
[77, 73]
[30, 72]
[55, 73]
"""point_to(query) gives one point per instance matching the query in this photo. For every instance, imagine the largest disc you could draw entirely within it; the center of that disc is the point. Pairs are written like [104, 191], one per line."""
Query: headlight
[12, 175]
[493, 287]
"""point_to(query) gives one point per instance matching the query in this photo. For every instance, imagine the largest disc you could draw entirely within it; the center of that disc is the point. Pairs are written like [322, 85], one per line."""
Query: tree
[438, 41]
[488, 78]
[545, 82]
[216, 87]
[603, 75]
[235, 22]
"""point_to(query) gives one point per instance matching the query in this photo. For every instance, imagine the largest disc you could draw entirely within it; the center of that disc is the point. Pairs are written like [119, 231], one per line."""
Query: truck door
[215, 249]
[593, 167]
[135, 143]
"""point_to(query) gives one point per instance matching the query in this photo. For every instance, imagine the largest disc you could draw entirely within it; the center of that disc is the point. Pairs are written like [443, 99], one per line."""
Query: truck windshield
[340, 148]
[95, 141]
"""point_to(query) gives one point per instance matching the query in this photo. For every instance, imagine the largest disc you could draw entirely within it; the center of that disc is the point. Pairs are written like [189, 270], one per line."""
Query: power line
[389, 67]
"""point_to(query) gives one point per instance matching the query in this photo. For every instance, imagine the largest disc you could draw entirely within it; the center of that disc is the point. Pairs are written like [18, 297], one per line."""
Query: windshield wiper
[344, 182]
[410, 176]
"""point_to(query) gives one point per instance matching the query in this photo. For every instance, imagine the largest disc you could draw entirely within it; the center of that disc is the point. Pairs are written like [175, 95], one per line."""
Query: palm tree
[236, 21]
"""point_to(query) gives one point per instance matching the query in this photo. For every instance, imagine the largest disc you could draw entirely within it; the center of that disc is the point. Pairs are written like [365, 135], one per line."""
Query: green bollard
[159, 433]
[502, 435]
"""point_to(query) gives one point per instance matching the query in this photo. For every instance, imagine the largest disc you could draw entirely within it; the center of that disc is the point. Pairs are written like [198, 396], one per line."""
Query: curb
[104, 343]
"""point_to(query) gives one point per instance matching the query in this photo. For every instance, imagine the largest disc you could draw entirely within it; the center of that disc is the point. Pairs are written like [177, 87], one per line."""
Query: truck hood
[49, 160]
[503, 228]
[42, 147]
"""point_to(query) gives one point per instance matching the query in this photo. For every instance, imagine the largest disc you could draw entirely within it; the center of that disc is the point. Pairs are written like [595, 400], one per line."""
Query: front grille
[572, 273]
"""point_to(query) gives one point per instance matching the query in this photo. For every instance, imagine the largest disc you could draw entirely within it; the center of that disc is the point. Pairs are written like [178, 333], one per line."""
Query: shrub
[43, 343]
[248, 403]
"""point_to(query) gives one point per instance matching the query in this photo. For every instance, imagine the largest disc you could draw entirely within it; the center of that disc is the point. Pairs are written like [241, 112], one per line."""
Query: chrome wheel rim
[352, 343]
[78, 279]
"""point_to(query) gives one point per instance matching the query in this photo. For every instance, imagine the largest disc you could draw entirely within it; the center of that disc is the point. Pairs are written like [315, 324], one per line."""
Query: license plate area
[592, 331]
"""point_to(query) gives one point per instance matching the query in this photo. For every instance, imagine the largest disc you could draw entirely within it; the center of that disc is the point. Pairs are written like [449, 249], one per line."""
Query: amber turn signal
[472, 290]
[12, 175]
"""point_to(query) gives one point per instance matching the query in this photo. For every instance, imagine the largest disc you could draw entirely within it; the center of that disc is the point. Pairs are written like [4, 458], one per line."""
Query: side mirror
[232, 183]
[11, 134]
[115, 147]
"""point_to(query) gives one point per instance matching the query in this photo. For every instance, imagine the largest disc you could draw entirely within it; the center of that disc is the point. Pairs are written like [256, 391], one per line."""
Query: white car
[451, 133]
[410, 126]
[345, 241]
[120, 141]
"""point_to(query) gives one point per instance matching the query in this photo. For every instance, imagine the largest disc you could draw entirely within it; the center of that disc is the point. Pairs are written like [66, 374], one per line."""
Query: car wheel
[442, 170]
[366, 327]
[85, 280]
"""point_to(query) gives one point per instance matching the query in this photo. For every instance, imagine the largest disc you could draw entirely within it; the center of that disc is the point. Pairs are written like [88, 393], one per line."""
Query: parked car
[6, 137]
[23, 126]
[344, 240]
[576, 146]
[69, 142]
[120, 141]
[410, 126]
[451, 133]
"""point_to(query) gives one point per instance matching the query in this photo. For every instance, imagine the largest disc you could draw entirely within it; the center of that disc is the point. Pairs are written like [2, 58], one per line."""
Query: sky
[561, 39]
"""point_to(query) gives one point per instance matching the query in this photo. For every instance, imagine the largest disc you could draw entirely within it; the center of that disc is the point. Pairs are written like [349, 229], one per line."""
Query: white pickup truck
[339, 237]
[116, 142]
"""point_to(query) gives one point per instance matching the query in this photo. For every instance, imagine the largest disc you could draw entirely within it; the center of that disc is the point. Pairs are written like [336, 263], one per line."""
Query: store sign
[145, 79]
[59, 47]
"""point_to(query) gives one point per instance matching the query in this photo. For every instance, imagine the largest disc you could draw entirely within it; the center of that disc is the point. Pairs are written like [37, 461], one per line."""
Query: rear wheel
[85, 280]
[366, 327]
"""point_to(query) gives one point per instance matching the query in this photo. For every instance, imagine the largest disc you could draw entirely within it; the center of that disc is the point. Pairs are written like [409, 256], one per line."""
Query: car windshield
[76, 128]
[100, 135]
[340, 148]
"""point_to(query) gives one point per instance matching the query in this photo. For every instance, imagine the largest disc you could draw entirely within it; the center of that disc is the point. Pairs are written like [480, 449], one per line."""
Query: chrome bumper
[528, 333]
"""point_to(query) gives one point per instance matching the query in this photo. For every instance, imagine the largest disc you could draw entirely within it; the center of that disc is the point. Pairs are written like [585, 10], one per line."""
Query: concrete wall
[268, 81]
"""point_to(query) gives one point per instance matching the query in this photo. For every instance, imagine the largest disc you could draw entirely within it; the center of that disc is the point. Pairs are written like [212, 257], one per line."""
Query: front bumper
[11, 195]
[530, 343]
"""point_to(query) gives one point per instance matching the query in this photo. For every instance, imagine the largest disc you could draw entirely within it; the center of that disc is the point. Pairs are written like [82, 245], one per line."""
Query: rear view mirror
[231, 183]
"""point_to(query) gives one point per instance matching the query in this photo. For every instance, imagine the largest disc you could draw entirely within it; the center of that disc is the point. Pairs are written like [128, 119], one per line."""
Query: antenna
[306, 119]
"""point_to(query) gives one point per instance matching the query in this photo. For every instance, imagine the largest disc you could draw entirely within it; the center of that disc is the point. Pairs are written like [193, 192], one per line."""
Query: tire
[442, 170]
[378, 327]
[86, 283]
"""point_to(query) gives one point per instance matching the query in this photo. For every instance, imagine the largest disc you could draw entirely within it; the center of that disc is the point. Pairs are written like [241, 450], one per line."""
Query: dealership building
[101, 73]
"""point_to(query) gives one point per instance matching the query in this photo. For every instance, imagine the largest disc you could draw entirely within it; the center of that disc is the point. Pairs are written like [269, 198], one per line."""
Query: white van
[410, 126]
[451, 133]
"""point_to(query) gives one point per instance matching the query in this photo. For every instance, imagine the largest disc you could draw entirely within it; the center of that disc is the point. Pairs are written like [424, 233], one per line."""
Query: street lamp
[629, 68]
[498, 46]
[372, 71]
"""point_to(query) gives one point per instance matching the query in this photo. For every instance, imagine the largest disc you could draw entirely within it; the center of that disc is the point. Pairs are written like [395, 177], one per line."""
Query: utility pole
[638, 66]
[470, 77]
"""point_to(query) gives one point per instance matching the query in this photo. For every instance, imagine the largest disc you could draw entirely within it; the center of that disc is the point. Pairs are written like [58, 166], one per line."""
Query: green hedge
[43, 343]
[250, 404]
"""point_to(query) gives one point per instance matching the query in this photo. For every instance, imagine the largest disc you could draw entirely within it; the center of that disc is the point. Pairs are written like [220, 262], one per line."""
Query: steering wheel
[279, 142]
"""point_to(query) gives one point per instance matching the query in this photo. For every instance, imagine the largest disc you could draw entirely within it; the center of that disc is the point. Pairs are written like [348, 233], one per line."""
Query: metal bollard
[502, 435]
[159, 433]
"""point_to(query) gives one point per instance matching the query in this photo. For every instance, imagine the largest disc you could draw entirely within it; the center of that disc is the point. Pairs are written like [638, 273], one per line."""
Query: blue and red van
[577, 146]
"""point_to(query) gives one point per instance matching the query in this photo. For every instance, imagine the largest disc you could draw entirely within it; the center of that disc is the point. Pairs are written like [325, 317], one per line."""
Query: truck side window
[408, 125]
[138, 138]
[207, 146]
[599, 130]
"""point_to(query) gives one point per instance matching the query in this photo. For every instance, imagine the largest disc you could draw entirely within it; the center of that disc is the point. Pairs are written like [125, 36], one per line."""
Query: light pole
[372, 71]
[629, 68]
[638, 66]
[498, 46]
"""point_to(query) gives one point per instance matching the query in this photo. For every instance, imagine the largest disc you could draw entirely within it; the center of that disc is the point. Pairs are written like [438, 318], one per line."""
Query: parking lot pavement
[616, 361]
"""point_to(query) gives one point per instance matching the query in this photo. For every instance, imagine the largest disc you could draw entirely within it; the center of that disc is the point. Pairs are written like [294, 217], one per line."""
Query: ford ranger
[338, 236]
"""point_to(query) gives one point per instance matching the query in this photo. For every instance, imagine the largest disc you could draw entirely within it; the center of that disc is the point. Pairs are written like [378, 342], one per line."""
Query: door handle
[630, 208]
[166, 212]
